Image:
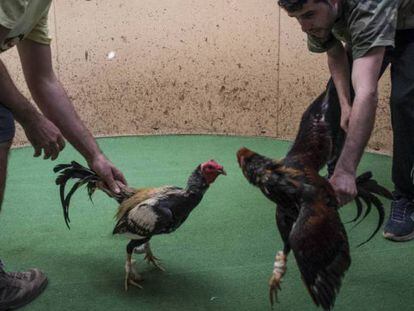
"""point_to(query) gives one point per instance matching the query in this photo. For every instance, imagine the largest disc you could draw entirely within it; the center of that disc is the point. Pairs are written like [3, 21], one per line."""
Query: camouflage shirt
[364, 24]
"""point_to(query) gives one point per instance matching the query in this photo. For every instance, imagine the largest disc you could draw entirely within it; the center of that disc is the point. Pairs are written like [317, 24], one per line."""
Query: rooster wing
[320, 245]
[152, 216]
[140, 196]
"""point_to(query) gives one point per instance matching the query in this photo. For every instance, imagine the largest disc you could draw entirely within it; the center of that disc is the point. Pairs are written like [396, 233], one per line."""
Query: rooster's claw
[274, 287]
[151, 259]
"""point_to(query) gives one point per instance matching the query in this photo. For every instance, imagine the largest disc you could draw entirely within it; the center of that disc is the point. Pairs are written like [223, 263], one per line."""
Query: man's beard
[321, 33]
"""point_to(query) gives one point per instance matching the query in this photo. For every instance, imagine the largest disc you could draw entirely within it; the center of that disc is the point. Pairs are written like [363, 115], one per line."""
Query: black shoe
[20, 288]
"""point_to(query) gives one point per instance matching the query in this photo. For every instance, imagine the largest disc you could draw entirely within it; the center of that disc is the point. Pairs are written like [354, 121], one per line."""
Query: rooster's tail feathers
[77, 172]
[368, 192]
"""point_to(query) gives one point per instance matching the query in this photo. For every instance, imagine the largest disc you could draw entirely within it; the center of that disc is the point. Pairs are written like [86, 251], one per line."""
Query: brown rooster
[142, 212]
[306, 206]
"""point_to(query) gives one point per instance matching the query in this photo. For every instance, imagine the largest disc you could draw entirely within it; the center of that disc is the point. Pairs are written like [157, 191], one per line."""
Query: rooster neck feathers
[196, 184]
[256, 168]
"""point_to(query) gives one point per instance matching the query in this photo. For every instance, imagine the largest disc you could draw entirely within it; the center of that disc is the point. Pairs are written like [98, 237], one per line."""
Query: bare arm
[41, 133]
[339, 67]
[10, 95]
[365, 75]
[53, 101]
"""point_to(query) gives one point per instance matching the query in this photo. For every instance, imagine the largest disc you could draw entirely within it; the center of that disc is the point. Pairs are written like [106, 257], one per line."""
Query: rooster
[144, 212]
[306, 206]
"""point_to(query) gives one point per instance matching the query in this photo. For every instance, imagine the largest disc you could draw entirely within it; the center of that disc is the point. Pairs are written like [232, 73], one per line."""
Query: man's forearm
[52, 99]
[365, 75]
[340, 71]
[360, 127]
[10, 97]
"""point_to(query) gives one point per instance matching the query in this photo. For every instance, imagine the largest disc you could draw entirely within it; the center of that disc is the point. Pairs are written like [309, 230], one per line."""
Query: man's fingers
[119, 176]
[108, 172]
[56, 150]
[109, 180]
[37, 152]
[120, 184]
[102, 185]
[112, 185]
[61, 142]
[47, 151]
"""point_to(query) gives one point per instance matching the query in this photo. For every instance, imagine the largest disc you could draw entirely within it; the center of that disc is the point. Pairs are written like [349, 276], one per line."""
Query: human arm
[53, 101]
[340, 71]
[365, 74]
[41, 133]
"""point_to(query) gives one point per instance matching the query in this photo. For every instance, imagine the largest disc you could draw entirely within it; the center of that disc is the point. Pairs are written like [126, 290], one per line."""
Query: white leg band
[279, 267]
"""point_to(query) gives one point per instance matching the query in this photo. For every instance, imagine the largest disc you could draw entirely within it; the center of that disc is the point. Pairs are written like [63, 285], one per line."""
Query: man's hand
[344, 185]
[113, 177]
[44, 135]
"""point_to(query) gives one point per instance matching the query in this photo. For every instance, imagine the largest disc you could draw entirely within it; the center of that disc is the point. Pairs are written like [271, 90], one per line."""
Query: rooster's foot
[151, 259]
[132, 277]
[276, 278]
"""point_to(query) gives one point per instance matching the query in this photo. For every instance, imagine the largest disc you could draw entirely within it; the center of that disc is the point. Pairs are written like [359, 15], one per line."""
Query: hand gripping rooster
[306, 206]
[145, 212]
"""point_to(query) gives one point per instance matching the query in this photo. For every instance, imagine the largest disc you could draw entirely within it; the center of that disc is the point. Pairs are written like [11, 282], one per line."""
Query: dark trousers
[401, 59]
[7, 128]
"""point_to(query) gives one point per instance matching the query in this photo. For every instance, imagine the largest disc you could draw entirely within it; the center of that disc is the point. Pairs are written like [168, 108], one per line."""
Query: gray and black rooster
[143, 212]
[306, 206]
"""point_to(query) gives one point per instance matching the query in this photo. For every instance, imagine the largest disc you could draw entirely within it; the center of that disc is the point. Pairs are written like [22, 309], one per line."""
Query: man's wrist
[341, 169]
[27, 116]
[95, 156]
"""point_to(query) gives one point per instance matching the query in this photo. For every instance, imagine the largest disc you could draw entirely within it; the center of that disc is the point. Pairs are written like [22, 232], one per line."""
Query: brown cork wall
[186, 66]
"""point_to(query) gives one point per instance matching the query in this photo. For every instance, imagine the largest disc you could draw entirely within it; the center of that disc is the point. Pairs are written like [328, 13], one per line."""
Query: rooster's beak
[222, 171]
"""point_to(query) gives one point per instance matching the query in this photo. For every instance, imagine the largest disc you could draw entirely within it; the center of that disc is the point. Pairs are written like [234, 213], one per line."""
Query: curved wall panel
[186, 66]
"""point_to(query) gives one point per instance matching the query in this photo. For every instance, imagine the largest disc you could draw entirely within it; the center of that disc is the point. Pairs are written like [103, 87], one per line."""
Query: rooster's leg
[140, 249]
[131, 275]
[150, 258]
[279, 269]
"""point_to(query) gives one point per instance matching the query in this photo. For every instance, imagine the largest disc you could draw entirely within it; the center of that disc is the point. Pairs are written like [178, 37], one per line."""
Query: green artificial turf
[220, 259]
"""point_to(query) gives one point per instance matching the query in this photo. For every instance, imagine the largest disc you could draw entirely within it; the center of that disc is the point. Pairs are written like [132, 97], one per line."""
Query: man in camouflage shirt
[374, 33]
